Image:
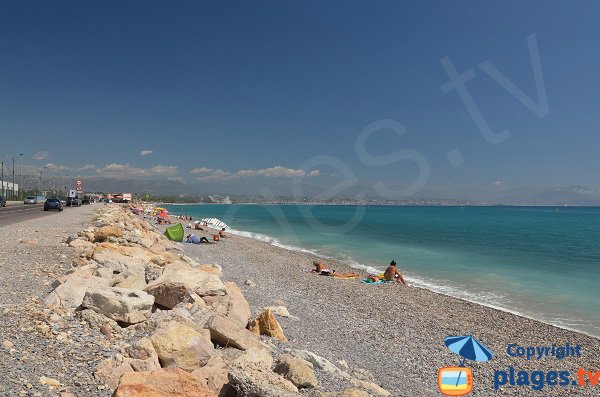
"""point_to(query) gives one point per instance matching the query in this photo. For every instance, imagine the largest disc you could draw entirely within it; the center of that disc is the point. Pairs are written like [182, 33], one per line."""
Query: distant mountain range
[281, 189]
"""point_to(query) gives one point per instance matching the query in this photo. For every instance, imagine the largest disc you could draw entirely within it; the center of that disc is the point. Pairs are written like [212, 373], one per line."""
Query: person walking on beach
[392, 274]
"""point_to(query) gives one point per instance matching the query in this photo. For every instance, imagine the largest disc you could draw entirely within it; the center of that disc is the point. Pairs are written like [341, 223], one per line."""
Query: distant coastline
[375, 203]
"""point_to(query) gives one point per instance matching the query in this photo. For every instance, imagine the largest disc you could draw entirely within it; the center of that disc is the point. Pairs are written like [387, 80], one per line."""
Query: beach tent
[215, 222]
[175, 232]
[163, 215]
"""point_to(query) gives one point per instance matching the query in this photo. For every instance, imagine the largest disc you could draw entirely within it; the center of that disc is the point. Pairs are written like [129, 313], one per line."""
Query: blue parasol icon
[468, 348]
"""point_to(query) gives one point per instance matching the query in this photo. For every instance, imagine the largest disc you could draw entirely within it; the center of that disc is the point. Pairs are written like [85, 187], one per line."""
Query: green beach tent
[175, 232]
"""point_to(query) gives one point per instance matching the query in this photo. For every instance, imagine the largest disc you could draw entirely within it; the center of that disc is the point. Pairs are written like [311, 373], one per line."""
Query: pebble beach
[370, 340]
[394, 332]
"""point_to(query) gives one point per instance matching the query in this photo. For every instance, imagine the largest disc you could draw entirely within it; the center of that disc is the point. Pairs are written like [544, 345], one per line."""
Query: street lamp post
[41, 176]
[21, 176]
[12, 195]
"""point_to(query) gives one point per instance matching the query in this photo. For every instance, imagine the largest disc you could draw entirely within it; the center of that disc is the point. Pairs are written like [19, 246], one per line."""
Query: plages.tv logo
[458, 381]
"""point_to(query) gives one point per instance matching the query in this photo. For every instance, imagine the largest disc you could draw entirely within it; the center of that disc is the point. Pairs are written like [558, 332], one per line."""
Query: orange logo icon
[455, 381]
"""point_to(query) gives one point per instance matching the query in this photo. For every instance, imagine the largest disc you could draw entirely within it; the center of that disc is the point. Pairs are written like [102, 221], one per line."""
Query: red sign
[78, 186]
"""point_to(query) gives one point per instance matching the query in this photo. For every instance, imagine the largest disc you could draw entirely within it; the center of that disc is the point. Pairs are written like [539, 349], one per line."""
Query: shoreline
[365, 270]
[417, 321]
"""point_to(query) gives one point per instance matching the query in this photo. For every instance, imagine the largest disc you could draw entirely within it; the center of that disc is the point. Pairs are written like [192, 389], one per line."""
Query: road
[19, 213]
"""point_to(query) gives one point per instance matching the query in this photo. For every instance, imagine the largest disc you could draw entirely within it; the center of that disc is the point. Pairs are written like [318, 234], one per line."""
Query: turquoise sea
[541, 262]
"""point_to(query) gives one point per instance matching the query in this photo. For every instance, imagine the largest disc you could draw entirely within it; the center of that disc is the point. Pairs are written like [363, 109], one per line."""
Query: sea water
[541, 262]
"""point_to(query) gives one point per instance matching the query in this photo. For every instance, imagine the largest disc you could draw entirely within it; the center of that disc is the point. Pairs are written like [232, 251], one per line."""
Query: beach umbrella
[163, 215]
[468, 348]
[215, 222]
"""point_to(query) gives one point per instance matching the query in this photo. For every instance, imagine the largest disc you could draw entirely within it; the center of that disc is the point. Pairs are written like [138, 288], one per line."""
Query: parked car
[73, 201]
[30, 200]
[2, 201]
[53, 204]
[87, 200]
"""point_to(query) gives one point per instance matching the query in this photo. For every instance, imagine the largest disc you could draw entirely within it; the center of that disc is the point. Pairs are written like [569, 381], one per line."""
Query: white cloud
[272, 172]
[88, 167]
[176, 179]
[215, 175]
[202, 170]
[146, 152]
[117, 170]
[163, 170]
[41, 155]
[499, 183]
[56, 168]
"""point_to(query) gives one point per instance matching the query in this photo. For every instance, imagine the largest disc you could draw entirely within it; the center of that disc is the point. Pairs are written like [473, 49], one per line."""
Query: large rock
[214, 373]
[142, 355]
[102, 234]
[373, 388]
[122, 258]
[133, 281]
[297, 371]
[233, 305]
[267, 324]
[120, 304]
[259, 357]
[227, 332]
[179, 345]
[110, 370]
[81, 244]
[166, 382]
[179, 281]
[319, 362]
[212, 269]
[260, 382]
[152, 272]
[69, 295]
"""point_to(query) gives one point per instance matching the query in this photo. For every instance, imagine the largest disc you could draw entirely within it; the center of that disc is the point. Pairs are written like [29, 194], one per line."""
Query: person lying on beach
[321, 269]
[392, 274]
[197, 227]
[222, 233]
[192, 238]
[373, 278]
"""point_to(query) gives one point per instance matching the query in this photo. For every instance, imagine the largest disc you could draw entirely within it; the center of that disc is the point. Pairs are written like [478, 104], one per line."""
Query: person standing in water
[392, 274]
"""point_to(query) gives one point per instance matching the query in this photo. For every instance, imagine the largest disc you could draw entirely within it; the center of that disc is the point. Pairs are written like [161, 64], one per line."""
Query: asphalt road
[19, 213]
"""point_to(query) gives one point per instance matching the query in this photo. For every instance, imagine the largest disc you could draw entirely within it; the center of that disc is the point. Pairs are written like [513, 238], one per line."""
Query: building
[8, 190]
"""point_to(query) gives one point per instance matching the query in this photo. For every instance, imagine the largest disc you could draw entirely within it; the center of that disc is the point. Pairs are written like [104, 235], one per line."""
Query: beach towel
[369, 281]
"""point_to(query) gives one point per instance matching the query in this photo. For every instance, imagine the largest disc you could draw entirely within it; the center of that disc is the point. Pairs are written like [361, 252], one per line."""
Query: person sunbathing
[392, 274]
[197, 227]
[192, 238]
[222, 233]
[321, 269]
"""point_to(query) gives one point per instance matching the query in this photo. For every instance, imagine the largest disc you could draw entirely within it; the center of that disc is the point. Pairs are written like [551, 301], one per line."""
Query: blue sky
[258, 89]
